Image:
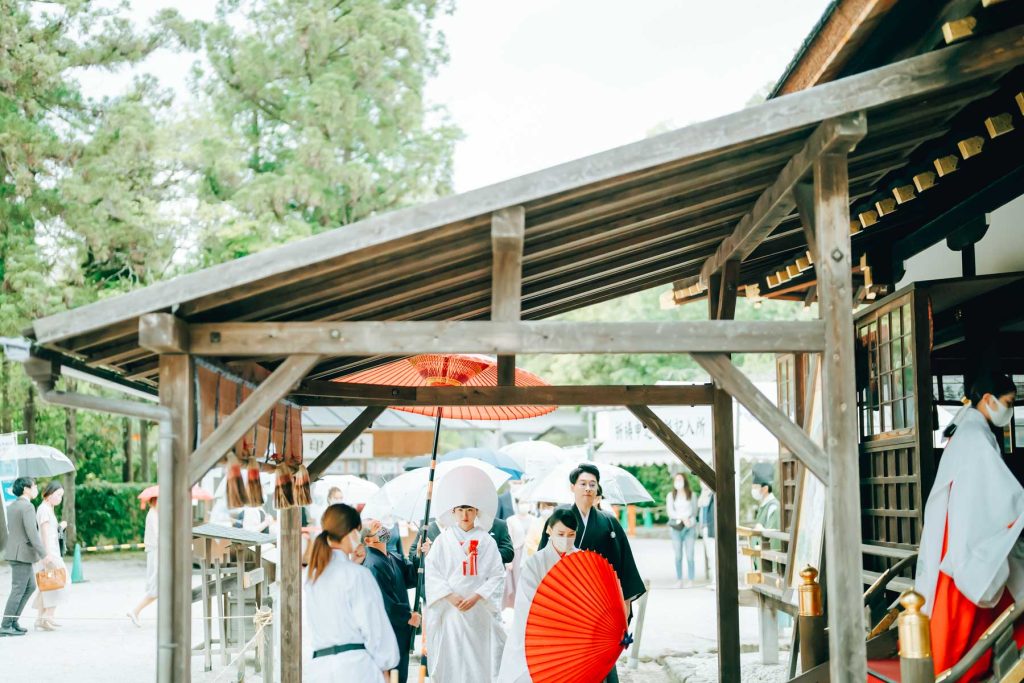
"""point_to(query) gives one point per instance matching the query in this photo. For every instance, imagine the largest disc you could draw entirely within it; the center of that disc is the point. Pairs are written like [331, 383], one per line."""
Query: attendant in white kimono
[350, 632]
[968, 566]
[561, 530]
[464, 579]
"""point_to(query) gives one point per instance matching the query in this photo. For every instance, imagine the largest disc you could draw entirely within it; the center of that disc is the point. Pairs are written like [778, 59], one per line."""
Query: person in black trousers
[395, 576]
[24, 546]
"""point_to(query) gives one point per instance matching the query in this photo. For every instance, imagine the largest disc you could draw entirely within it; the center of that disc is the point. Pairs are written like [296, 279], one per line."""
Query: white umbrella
[34, 460]
[536, 458]
[354, 490]
[619, 486]
[405, 496]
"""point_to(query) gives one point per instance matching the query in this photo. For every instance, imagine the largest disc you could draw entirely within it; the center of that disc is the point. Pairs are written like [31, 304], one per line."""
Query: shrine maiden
[350, 632]
[464, 579]
[972, 521]
[561, 530]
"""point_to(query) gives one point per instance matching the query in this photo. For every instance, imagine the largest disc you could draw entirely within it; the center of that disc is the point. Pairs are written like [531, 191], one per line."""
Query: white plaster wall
[1000, 251]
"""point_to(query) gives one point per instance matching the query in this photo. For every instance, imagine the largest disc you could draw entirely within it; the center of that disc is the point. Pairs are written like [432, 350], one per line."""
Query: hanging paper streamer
[284, 487]
[303, 495]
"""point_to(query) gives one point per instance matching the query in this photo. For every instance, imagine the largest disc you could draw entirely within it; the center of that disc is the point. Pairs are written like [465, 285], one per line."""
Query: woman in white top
[681, 508]
[561, 541]
[46, 602]
[152, 542]
[351, 636]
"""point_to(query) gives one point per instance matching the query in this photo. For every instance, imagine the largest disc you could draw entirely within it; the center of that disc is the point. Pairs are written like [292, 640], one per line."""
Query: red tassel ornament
[235, 485]
[284, 487]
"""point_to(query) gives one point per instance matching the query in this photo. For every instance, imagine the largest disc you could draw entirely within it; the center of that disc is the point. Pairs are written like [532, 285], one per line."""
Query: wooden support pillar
[722, 299]
[725, 540]
[508, 227]
[839, 417]
[174, 606]
[289, 608]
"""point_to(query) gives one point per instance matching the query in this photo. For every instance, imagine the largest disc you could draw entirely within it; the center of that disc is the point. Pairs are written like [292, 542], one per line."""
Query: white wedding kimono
[532, 572]
[344, 605]
[463, 646]
[979, 498]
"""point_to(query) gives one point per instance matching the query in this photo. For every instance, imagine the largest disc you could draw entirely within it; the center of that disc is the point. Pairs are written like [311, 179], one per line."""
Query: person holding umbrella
[601, 532]
[464, 581]
[152, 542]
[561, 528]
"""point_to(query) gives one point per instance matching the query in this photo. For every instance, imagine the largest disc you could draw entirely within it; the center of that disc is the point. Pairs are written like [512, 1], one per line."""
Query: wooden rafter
[347, 437]
[675, 444]
[372, 241]
[344, 394]
[777, 202]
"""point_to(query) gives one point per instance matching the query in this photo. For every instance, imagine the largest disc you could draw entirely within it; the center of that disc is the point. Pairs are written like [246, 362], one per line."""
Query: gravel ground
[703, 668]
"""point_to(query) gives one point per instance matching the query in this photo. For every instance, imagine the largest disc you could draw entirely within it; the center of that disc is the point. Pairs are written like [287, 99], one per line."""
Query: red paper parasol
[453, 370]
[151, 492]
[576, 628]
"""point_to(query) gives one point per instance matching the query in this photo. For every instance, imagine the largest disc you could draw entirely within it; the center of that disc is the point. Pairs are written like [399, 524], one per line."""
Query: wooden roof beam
[343, 394]
[840, 134]
[403, 338]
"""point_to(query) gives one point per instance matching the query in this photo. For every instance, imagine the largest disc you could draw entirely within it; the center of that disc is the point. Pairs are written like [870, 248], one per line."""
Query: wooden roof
[621, 221]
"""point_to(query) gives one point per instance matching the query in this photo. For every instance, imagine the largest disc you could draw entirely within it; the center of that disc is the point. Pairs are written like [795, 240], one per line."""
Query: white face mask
[999, 413]
[679, 485]
[755, 491]
[562, 543]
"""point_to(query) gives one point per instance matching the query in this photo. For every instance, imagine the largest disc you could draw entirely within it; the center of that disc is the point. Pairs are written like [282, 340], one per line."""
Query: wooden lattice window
[886, 395]
[889, 496]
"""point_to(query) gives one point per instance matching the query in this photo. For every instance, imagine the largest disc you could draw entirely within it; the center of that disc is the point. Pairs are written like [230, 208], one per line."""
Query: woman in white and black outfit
[681, 508]
[352, 638]
[49, 530]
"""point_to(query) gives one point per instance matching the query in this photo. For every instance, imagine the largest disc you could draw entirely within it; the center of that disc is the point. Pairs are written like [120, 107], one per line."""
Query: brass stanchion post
[813, 637]
[915, 641]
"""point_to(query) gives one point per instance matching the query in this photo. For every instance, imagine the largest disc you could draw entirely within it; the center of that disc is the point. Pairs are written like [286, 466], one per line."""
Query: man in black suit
[395, 576]
[601, 532]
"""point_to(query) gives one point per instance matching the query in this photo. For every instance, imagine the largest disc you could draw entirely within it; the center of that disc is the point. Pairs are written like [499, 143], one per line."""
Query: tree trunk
[29, 414]
[144, 467]
[5, 397]
[70, 449]
[126, 434]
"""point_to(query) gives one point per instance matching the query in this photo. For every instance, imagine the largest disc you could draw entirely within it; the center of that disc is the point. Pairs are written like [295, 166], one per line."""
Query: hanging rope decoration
[284, 485]
[303, 496]
[253, 485]
[234, 485]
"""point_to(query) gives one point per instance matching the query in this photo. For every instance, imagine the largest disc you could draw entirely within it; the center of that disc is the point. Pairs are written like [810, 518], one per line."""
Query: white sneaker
[135, 619]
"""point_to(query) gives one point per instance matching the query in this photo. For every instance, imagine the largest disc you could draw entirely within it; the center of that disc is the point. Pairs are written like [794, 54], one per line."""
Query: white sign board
[314, 443]
[8, 469]
[620, 430]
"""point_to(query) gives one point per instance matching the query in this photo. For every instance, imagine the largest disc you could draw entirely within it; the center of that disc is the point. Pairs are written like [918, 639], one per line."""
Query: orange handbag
[51, 579]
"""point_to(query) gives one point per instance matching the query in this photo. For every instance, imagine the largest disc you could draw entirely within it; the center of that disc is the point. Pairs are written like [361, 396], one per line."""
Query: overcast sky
[533, 83]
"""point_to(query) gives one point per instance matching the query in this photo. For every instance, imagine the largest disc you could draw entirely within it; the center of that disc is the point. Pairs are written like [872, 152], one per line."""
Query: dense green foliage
[304, 117]
[110, 513]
